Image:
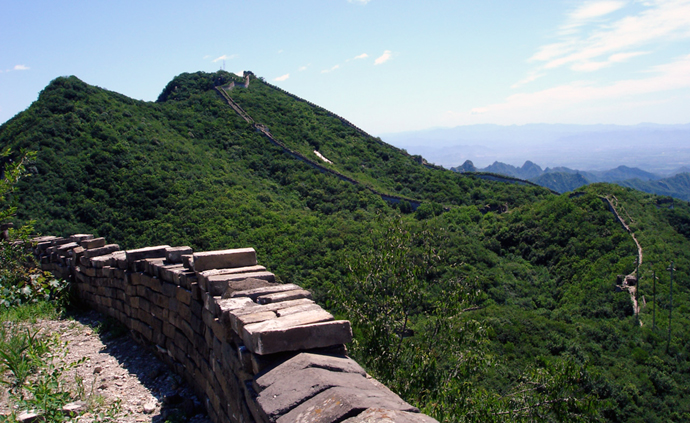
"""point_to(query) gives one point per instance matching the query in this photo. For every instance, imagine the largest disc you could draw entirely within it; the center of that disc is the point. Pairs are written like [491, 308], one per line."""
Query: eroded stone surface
[290, 390]
[93, 243]
[283, 296]
[174, 254]
[337, 403]
[379, 415]
[238, 257]
[158, 251]
[305, 361]
[106, 249]
[295, 338]
[218, 284]
[271, 289]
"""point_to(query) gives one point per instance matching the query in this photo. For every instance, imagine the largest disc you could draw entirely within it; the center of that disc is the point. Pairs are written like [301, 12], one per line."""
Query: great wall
[223, 91]
[254, 350]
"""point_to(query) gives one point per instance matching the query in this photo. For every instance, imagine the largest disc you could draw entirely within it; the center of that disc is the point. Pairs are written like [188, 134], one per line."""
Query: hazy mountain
[660, 149]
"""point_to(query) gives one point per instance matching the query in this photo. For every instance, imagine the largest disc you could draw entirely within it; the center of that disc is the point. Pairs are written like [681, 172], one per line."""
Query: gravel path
[119, 369]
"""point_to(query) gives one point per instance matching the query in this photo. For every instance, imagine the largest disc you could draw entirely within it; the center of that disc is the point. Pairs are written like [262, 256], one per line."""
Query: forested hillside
[502, 297]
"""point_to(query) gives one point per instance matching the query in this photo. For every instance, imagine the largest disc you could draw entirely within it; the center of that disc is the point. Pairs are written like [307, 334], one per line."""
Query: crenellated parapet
[254, 349]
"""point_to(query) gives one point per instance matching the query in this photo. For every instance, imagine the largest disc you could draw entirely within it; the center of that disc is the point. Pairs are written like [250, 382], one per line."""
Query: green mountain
[217, 164]
[677, 186]
[560, 181]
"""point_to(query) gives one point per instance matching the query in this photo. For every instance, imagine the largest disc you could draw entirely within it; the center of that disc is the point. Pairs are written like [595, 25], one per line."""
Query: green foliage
[540, 268]
[33, 361]
[20, 280]
[413, 336]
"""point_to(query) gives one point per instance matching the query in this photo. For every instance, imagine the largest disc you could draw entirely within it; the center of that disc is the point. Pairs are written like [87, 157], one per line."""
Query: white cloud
[303, 68]
[661, 21]
[359, 1]
[384, 57]
[331, 69]
[361, 56]
[282, 78]
[21, 67]
[224, 57]
[596, 9]
[614, 58]
[666, 77]
[529, 78]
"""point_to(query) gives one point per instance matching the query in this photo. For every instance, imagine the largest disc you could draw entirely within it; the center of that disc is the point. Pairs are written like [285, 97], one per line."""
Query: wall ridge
[254, 350]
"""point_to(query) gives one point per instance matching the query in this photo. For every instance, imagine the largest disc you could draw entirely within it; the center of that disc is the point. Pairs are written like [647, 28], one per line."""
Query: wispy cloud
[534, 75]
[359, 1]
[303, 68]
[21, 68]
[661, 20]
[282, 78]
[595, 9]
[224, 57]
[666, 77]
[383, 58]
[331, 69]
[614, 58]
[361, 56]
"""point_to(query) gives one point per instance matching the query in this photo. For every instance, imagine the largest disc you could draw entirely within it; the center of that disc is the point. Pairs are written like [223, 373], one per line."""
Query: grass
[30, 312]
[33, 367]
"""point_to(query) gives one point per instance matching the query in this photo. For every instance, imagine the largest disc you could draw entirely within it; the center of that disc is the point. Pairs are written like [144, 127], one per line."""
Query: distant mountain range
[563, 179]
[660, 149]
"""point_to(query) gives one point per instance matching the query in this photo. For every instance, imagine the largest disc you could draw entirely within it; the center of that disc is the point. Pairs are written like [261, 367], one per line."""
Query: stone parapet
[255, 350]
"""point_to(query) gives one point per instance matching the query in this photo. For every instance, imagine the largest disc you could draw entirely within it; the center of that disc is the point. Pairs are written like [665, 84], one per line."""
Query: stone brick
[183, 295]
[302, 361]
[90, 244]
[233, 315]
[80, 237]
[263, 339]
[290, 390]
[168, 289]
[174, 254]
[240, 257]
[238, 322]
[338, 403]
[107, 249]
[283, 296]
[145, 253]
[218, 284]
[202, 277]
[257, 292]
[381, 415]
[168, 273]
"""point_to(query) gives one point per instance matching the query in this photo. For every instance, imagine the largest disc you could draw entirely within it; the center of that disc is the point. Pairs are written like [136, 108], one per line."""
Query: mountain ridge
[191, 171]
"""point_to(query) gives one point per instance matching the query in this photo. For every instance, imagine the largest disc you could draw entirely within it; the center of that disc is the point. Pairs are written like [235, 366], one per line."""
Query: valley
[473, 299]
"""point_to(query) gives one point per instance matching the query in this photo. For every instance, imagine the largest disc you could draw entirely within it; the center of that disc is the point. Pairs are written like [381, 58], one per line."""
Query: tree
[413, 334]
[20, 280]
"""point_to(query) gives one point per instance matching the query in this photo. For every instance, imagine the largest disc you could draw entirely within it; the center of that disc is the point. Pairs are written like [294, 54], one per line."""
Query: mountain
[677, 186]
[660, 149]
[222, 161]
[561, 181]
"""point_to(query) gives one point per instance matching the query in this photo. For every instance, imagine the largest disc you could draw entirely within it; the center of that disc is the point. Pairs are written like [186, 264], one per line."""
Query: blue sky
[386, 65]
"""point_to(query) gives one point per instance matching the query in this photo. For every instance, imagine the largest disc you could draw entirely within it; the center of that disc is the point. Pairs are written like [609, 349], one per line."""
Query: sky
[386, 65]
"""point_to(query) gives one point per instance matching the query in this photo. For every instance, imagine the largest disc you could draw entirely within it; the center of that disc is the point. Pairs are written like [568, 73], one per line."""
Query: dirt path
[119, 369]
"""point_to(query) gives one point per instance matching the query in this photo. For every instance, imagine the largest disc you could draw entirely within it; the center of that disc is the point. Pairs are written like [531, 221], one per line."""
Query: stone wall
[254, 350]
